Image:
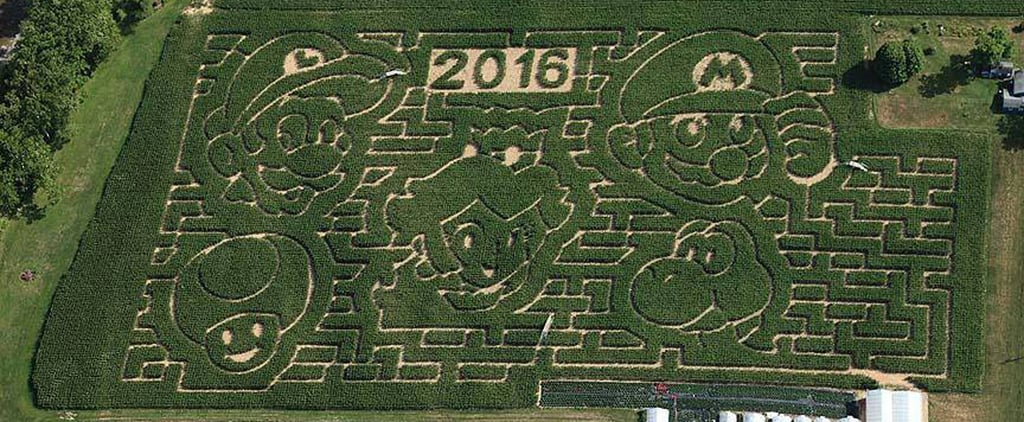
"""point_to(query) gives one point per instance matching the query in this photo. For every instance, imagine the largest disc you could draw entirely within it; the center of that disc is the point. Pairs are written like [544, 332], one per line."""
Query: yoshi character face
[243, 342]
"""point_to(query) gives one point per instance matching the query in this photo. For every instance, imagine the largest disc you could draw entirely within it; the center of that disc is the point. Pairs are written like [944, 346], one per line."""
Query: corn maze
[375, 209]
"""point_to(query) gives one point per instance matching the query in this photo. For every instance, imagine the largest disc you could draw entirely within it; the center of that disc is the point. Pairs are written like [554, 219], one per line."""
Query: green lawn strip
[527, 415]
[1003, 387]
[98, 127]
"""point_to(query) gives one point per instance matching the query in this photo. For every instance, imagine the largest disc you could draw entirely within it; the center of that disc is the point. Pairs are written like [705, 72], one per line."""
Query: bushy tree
[130, 12]
[63, 42]
[896, 62]
[26, 168]
[890, 64]
[991, 47]
[914, 55]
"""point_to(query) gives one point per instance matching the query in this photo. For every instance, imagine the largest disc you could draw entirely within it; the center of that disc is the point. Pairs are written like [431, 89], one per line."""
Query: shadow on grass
[11, 14]
[952, 76]
[1011, 126]
[860, 77]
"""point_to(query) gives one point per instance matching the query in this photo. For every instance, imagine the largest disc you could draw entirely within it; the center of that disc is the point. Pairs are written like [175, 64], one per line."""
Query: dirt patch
[202, 9]
[885, 379]
[894, 111]
[512, 156]
[721, 83]
[301, 59]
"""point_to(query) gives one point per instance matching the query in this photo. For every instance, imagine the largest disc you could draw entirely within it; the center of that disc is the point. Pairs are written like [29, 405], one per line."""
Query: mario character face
[725, 126]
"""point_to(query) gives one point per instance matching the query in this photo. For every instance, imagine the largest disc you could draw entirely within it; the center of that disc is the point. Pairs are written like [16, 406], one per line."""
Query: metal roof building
[753, 417]
[895, 406]
[727, 417]
[656, 414]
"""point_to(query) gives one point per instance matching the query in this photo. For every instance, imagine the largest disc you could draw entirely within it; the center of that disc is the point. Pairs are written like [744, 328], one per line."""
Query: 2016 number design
[532, 70]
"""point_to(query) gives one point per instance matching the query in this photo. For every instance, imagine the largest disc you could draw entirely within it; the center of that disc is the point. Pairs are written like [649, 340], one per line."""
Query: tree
[896, 62]
[130, 12]
[63, 42]
[915, 56]
[991, 47]
[890, 64]
[26, 168]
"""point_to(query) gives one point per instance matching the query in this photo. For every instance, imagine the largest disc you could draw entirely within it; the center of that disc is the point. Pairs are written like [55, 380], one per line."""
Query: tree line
[62, 43]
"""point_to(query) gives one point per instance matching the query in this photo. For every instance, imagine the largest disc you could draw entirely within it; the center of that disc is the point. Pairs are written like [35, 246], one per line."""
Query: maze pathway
[459, 215]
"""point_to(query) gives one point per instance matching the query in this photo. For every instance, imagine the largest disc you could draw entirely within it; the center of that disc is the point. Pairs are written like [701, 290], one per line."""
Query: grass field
[1000, 397]
[1002, 389]
[945, 94]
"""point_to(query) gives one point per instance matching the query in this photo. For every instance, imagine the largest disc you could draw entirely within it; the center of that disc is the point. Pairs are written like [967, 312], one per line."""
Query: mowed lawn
[944, 94]
[945, 97]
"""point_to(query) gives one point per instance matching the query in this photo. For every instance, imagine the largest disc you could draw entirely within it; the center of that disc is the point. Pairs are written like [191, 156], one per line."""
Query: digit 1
[526, 60]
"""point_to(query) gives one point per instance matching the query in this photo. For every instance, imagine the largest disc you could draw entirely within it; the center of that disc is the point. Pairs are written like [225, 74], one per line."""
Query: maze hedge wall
[559, 196]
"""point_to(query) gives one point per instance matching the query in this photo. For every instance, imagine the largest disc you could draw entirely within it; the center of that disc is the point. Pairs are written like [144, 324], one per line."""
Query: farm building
[1001, 70]
[1013, 97]
[656, 414]
[754, 417]
[895, 406]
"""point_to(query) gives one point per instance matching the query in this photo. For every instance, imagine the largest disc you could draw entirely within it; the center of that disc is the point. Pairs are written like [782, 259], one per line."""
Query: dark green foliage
[62, 43]
[896, 62]
[991, 47]
[915, 56]
[26, 167]
[129, 12]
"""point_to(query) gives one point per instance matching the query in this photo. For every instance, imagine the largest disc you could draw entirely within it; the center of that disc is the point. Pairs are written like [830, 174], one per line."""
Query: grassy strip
[98, 128]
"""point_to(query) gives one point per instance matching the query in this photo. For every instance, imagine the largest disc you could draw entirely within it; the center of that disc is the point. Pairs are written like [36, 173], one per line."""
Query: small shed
[727, 417]
[1001, 70]
[656, 414]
